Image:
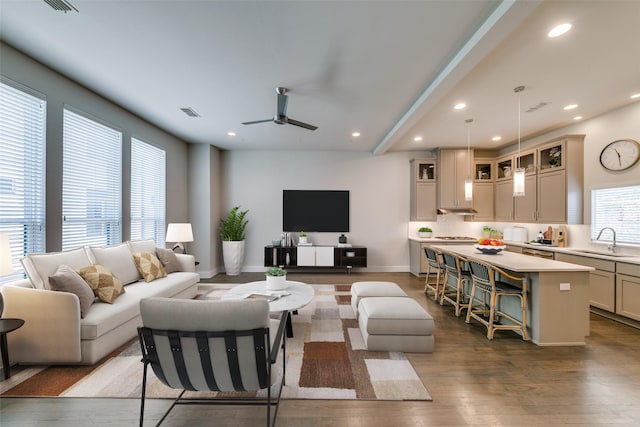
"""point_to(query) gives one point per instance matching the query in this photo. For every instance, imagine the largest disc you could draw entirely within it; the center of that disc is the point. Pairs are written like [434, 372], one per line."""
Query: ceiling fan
[281, 115]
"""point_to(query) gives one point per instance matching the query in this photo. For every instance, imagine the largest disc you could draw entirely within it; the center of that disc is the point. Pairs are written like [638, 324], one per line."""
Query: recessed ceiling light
[570, 107]
[231, 133]
[417, 139]
[460, 106]
[576, 118]
[635, 96]
[559, 30]
[496, 138]
[355, 134]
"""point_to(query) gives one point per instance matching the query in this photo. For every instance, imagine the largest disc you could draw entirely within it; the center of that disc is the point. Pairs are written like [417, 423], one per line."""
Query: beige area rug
[326, 359]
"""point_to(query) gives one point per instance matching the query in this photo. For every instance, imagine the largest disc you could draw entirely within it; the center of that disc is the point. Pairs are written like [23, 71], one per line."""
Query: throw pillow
[104, 284]
[168, 259]
[118, 260]
[149, 266]
[40, 266]
[66, 279]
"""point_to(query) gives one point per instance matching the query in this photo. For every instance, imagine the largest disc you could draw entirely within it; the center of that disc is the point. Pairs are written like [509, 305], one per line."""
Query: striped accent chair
[221, 346]
[434, 267]
[485, 279]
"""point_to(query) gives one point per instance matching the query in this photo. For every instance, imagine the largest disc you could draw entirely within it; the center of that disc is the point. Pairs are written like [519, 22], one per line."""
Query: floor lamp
[179, 233]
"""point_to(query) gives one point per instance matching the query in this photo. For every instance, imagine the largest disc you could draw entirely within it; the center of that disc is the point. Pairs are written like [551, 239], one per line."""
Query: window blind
[22, 172]
[618, 208]
[91, 183]
[148, 189]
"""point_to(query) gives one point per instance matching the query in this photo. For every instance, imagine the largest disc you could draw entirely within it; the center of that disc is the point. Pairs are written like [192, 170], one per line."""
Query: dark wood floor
[473, 381]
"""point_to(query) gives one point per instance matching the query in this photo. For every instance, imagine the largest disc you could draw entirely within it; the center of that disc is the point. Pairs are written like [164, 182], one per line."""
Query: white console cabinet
[315, 256]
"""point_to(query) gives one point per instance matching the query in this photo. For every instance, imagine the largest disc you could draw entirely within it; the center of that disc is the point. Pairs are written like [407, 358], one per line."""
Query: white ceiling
[390, 70]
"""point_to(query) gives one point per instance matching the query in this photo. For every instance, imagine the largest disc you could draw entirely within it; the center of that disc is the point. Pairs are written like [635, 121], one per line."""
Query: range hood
[457, 211]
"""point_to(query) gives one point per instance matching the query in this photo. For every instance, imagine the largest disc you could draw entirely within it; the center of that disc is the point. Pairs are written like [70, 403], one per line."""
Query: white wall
[379, 198]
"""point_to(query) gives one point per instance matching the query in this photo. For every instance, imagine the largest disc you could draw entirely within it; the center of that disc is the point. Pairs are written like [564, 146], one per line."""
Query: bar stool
[434, 266]
[484, 280]
[455, 280]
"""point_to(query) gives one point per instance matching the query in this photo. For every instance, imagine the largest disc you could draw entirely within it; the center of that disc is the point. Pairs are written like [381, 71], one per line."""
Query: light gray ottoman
[395, 324]
[360, 290]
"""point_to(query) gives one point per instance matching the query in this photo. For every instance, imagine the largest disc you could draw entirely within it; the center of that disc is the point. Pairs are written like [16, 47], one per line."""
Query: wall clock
[620, 155]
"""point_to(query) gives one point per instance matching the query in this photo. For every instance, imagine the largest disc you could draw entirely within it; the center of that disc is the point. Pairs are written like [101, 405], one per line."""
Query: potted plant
[276, 278]
[424, 232]
[302, 238]
[232, 235]
[487, 231]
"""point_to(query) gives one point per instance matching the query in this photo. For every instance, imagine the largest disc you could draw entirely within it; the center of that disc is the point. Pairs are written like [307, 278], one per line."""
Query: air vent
[61, 5]
[537, 107]
[190, 112]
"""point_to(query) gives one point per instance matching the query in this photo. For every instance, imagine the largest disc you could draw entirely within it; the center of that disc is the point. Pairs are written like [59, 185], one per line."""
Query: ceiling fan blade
[282, 104]
[301, 124]
[257, 121]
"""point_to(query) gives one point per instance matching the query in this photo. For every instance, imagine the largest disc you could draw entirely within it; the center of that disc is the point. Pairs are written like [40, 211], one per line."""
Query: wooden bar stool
[434, 266]
[484, 280]
[455, 281]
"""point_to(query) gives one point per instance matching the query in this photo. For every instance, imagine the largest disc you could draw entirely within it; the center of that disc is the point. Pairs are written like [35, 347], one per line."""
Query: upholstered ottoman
[360, 290]
[395, 324]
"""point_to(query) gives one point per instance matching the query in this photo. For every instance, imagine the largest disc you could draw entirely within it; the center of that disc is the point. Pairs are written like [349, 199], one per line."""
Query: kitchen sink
[611, 254]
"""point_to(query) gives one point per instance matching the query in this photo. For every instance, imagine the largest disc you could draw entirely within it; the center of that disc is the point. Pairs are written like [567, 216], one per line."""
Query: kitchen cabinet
[504, 200]
[525, 207]
[454, 167]
[628, 290]
[483, 191]
[552, 197]
[423, 190]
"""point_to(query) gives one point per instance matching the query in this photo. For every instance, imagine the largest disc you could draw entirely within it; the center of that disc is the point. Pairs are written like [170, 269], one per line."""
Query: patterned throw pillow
[66, 279]
[168, 259]
[104, 284]
[149, 266]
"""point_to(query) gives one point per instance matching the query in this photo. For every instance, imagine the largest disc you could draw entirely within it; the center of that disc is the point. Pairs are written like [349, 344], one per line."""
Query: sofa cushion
[103, 318]
[104, 284]
[118, 260]
[168, 259]
[149, 266]
[40, 266]
[136, 246]
[66, 279]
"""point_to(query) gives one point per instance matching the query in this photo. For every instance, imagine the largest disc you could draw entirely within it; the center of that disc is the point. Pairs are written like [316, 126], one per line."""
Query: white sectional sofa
[54, 331]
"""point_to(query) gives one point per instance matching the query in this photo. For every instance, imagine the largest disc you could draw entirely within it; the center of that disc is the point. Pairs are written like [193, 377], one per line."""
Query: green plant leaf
[232, 227]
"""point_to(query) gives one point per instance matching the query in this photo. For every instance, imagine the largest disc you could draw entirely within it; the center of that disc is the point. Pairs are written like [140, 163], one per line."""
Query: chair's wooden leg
[471, 299]
[525, 334]
[492, 313]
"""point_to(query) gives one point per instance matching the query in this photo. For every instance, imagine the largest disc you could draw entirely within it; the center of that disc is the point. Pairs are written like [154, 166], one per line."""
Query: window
[91, 183]
[618, 208]
[147, 192]
[22, 172]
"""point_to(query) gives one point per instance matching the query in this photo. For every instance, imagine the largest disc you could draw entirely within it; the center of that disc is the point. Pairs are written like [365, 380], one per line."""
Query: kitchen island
[558, 299]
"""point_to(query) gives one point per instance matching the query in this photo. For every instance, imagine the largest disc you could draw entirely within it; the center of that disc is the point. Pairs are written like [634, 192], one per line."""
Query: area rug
[326, 359]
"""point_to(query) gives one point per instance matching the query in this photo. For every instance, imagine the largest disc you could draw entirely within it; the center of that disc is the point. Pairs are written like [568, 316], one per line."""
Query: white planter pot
[303, 240]
[275, 283]
[233, 254]
[424, 234]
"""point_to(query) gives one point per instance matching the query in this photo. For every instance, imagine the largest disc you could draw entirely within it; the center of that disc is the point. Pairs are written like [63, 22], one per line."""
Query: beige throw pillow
[66, 279]
[104, 284]
[168, 259]
[149, 266]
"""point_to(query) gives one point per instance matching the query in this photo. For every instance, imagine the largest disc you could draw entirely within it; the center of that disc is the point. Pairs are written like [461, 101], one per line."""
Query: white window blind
[148, 171]
[91, 183]
[22, 172]
[618, 208]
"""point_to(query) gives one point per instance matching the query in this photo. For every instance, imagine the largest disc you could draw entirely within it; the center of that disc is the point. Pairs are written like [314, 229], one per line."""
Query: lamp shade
[179, 232]
[518, 182]
[6, 266]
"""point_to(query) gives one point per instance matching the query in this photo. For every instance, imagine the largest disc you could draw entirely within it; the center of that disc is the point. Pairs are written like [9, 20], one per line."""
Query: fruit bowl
[489, 249]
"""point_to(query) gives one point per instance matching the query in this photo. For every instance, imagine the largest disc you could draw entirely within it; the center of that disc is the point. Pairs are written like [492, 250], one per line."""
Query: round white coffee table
[298, 295]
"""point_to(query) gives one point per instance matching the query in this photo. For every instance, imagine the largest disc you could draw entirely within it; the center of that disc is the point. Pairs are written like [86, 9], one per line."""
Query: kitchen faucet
[612, 248]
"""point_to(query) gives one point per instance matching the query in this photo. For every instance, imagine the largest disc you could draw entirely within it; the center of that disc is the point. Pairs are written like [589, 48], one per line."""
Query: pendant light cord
[518, 90]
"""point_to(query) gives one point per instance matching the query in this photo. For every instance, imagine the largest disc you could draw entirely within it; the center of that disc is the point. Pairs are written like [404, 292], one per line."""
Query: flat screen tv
[315, 210]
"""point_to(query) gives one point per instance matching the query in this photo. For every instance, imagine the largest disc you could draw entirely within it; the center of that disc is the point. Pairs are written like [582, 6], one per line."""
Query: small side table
[6, 326]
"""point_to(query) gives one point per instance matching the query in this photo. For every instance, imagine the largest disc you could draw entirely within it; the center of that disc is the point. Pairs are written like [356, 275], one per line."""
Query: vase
[302, 240]
[233, 254]
[424, 233]
[275, 283]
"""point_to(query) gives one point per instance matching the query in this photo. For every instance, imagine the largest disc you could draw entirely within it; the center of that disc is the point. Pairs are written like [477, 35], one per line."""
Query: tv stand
[343, 258]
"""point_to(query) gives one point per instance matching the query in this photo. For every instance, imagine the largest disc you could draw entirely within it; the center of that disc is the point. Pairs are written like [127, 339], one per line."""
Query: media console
[315, 258]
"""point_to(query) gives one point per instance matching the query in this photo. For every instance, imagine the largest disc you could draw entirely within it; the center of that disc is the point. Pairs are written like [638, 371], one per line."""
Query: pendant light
[468, 183]
[518, 173]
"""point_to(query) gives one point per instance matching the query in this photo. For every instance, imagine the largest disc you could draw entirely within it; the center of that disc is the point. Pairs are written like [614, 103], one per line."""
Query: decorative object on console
[232, 230]
[6, 266]
[425, 232]
[276, 278]
[342, 239]
[302, 238]
[179, 233]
